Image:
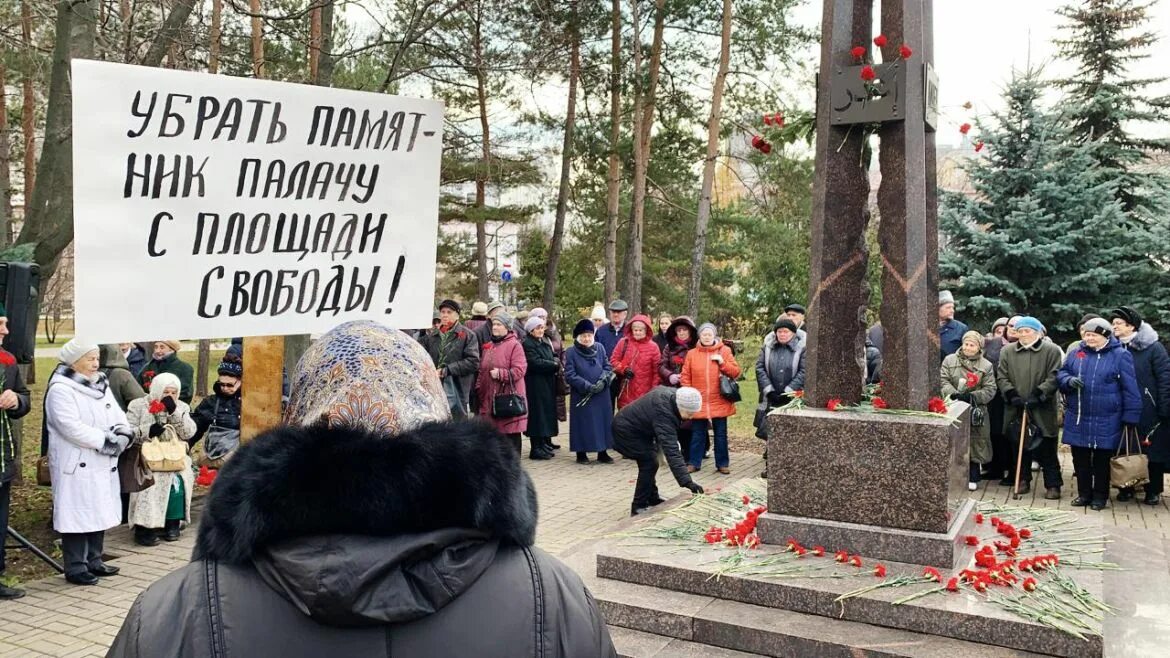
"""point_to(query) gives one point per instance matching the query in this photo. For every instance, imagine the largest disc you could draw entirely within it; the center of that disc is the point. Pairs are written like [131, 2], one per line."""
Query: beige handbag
[1131, 469]
[166, 453]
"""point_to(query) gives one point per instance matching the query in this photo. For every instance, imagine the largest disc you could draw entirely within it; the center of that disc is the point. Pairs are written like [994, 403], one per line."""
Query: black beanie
[1128, 315]
[784, 323]
[451, 304]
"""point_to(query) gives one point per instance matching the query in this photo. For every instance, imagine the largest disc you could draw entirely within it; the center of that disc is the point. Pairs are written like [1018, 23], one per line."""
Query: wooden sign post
[263, 376]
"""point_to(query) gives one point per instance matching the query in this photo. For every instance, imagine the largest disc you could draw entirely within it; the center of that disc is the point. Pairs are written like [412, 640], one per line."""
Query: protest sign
[210, 206]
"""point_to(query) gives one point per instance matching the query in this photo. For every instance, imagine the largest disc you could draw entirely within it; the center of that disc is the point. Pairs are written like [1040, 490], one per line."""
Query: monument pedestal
[888, 486]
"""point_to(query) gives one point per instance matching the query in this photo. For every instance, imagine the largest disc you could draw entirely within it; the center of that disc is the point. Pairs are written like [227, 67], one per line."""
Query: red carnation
[819, 551]
[206, 476]
[832, 404]
[978, 146]
[978, 518]
[905, 51]
[1081, 354]
[765, 147]
[767, 119]
[1030, 585]
[972, 540]
[879, 403]
[880, 571]
[965, 128]
[953, 585]
[756, 140]
[842, 556]
[855, 560]
[880, 41]
[867, 73]
[6, 359]
[936, 405]
[972, 380]
[801, 551]
[747, 500]
[752, 541]
[778, 120]
[156, 407]
[995, 521]
[930, 573]
[858, 52]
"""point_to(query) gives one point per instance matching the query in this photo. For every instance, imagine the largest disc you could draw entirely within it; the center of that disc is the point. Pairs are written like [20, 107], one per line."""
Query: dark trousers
[1003, 458]
[1049, 463]
[1092, 472]
[81, 551]
[645, 453]
[1157, 481]
[5, 498]
[516, 442]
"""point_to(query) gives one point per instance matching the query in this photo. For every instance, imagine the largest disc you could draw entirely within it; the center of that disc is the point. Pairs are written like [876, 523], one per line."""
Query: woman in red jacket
[636, 359]
[705, 363]
[501, 371]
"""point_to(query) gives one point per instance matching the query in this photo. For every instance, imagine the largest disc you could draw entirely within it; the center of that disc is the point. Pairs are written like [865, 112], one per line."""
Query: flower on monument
[842, 556]
[714, 535]
[858, 52]
[979, 518]
[995, 521]
[879, 403]
[819, 551]
[953, 585]
[1029, 585]
[855, 561]
[798, 394]
[978, 146]
[965, 128]
[747, 499]
[1025, 565]
[833, 403]
[801, 551]
[752, 541]
[971, 540]
[156, 407]
[980, 586]
[930, 573]
[880, 571]
[880, 41]
[1015, 542]
[936, 405]
[867, 73]
[905, 51]
[791, 545]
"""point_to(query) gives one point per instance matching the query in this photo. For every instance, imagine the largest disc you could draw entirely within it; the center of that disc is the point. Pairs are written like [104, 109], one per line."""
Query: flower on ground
[867, 73]
[747, 500]
[905, 51]
[880, 41]
[936, 405]
[930, 573]
[842, 556]
[979, 518]
[819, 551]
[1029, 585]
[880, 571]
[953, 585]
[972, 540]
[858, 52]
[879, 403]
[855, 560]
[995, 521]
[833, 403]
[752, 541]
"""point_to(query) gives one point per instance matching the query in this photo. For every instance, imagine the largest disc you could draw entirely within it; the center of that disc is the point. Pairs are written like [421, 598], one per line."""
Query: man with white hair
[649, 424]
[950, 330]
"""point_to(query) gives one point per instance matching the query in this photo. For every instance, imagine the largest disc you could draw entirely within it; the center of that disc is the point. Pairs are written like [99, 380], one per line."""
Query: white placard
[209, 206]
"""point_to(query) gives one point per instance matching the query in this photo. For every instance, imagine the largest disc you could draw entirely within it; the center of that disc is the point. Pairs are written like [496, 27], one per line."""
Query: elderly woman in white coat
[87, 430]
[157, 509]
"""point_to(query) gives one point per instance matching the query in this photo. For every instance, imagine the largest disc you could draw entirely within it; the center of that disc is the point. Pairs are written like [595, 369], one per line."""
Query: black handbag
[1033, 437]
[729, 389]
[509, 405]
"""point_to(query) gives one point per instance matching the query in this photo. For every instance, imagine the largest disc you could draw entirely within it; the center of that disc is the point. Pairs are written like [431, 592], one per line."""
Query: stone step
[636, 644]
[658, 615]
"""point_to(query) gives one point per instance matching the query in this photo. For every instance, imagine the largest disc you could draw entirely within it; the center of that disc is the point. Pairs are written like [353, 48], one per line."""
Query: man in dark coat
[1152, 367]
[135, 357]
[375, 529]
[14, 404]
[166, 359]
[455, 352]
[610, 333]
[1000, 445]
[1027, 377]
[950, 330]
[650, 424]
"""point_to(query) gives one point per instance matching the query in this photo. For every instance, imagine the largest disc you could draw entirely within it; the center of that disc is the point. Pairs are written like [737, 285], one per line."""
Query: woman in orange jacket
[709, 359]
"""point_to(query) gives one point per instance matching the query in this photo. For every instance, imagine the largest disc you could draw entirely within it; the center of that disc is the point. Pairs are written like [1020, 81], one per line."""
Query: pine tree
[1043, 232]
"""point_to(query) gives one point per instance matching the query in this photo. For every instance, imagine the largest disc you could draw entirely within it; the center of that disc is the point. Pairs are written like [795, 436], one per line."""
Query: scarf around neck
[99, 383]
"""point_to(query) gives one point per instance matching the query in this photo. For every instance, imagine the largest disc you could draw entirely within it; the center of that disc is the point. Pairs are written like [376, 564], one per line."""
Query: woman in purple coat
[501, 371]
[590, 374]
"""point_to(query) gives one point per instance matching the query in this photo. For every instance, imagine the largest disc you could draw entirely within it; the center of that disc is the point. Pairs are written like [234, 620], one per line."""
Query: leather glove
[675, 380]
[122, 430]
[1076, 383]
[775, 399]
[963, 397]
[598, 387]
[1032, 402]
[169, 403]
[694, 487]
[1013, 398]
[156, 430]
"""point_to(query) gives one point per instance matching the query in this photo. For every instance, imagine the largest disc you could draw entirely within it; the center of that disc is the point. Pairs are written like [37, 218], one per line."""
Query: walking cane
[1020, 455]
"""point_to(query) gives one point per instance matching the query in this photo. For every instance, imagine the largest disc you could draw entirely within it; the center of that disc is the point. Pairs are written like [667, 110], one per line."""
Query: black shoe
[539, 453]
[1153, 499]
[657, 500]
[172, 532]
[1052, 493]
[582, 458]
[85, 578]
[637, 509]
[1007, 482]
[145, 536]
[604, 457]
[103, 570]
[1025, 489]
[552, 445]
[1098, 505]
[10, 592]
[1125, 495]
[1080, 501]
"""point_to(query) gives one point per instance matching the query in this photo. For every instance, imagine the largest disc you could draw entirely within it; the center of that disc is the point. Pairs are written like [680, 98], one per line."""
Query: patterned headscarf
[365, 375]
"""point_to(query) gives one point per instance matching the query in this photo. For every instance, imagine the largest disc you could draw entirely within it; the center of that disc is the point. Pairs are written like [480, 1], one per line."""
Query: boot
[1052, 493]
[582, 458]
[538, 451]
[552, 445]
[604, 457]
[145, 536]
[10, 592]
[637, 509]
[1125, 495]
[1152, 498]
[172, 530]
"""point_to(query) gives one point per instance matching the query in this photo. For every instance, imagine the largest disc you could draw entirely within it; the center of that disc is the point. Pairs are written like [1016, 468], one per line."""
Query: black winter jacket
[328, 542]
[216, 410]
[1152, 367]
[649, 423]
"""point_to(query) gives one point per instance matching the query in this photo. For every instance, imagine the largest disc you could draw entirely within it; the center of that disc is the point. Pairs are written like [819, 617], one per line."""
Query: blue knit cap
[1029, 322]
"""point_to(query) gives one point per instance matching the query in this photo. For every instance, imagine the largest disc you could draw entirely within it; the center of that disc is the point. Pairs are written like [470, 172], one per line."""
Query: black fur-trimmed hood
[301, 482]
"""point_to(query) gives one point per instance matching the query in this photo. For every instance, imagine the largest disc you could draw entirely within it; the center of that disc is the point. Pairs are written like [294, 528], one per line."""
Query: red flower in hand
[972, 380]
[858, 52]
[156, 407]
[206, 476]
[867, 73]
[937, 406]
[6, 359]
[1081, 354]
[879, 403]
[880, 41]
[965, 128]
[880, 571]
[905, 51]
[832, 404]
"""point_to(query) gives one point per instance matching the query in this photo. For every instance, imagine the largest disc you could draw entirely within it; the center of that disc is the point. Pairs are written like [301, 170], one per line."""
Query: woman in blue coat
[589, 374]
[1103, 402]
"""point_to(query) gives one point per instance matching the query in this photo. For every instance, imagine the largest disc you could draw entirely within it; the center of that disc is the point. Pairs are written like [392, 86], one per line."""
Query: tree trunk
[324, 77]
[127, 14]
[709, 165]
[202, 365]
[257, 40]
[49, 223]
[614, 174]
[28, 110]
[554, 252]
[216, 36]
[481, 174]
[314, 42]
[167, 34]
[5, 164]
[643, 120]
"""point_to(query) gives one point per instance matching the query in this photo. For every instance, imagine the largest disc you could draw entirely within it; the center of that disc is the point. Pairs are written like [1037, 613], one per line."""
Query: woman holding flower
[163, 507]
[968, 376]
[589, 374]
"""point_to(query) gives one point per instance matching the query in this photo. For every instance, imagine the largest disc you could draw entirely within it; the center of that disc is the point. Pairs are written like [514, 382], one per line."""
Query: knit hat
[585, 326]
[688, 399]
[479, 308]
[1001, 322]
[231, 367]
[1098, 326]
[784, 323]
[72, 351]
[795, 307]
[1128, 315]
[538, 312]
[533, 322]
[1029, 322]
[598, 313]
[451, 304]
[974, 337]
[160, 383]
[945, 297]
[504, 318]
[708, 325]
[493, 305]
[364, 375]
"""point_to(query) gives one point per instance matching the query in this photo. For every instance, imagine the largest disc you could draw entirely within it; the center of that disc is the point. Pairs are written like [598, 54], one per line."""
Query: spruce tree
[1042, 233]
